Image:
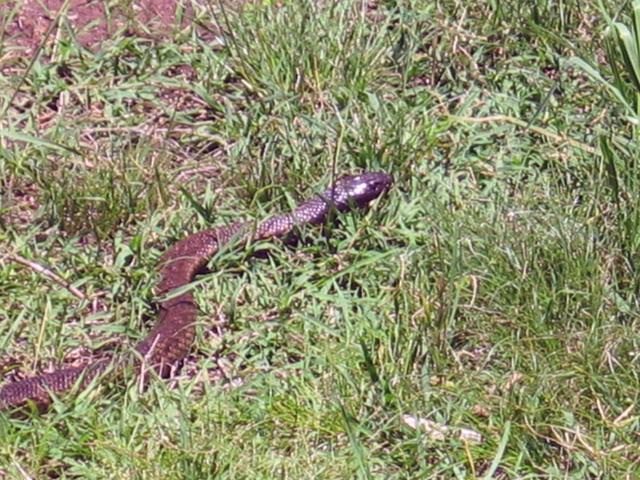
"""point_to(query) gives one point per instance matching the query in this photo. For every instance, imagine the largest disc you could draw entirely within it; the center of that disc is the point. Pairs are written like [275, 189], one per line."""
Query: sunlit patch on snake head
[358, 190]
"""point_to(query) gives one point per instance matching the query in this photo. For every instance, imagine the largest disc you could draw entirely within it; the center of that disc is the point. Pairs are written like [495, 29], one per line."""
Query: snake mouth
[377, 186]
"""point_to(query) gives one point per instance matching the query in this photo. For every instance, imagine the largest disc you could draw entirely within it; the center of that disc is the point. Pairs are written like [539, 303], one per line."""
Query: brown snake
[171, 338]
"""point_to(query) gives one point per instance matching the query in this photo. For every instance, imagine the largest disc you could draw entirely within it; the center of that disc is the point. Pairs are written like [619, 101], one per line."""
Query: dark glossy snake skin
[171, 338]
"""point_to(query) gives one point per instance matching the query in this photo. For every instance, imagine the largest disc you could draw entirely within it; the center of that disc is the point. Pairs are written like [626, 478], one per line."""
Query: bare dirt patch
[90, 22]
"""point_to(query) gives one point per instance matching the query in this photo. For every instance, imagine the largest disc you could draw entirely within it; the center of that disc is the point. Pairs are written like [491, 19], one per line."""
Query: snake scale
[171, 337]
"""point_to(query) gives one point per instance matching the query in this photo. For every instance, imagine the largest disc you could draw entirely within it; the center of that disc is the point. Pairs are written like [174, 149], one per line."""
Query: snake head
[358, 190]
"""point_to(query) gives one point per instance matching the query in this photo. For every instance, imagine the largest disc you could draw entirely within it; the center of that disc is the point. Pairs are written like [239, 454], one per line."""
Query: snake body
[171, 337]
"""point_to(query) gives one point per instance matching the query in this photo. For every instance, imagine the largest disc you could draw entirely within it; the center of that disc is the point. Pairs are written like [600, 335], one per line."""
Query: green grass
[494, 289]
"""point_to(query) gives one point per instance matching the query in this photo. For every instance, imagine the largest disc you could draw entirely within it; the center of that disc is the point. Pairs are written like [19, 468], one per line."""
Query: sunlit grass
[494, 290]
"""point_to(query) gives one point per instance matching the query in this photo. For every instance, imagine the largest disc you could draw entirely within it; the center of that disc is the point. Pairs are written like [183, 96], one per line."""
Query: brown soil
[29, 23]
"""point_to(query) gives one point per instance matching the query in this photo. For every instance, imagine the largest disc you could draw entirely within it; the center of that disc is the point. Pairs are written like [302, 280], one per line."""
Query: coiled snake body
[170, 339]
